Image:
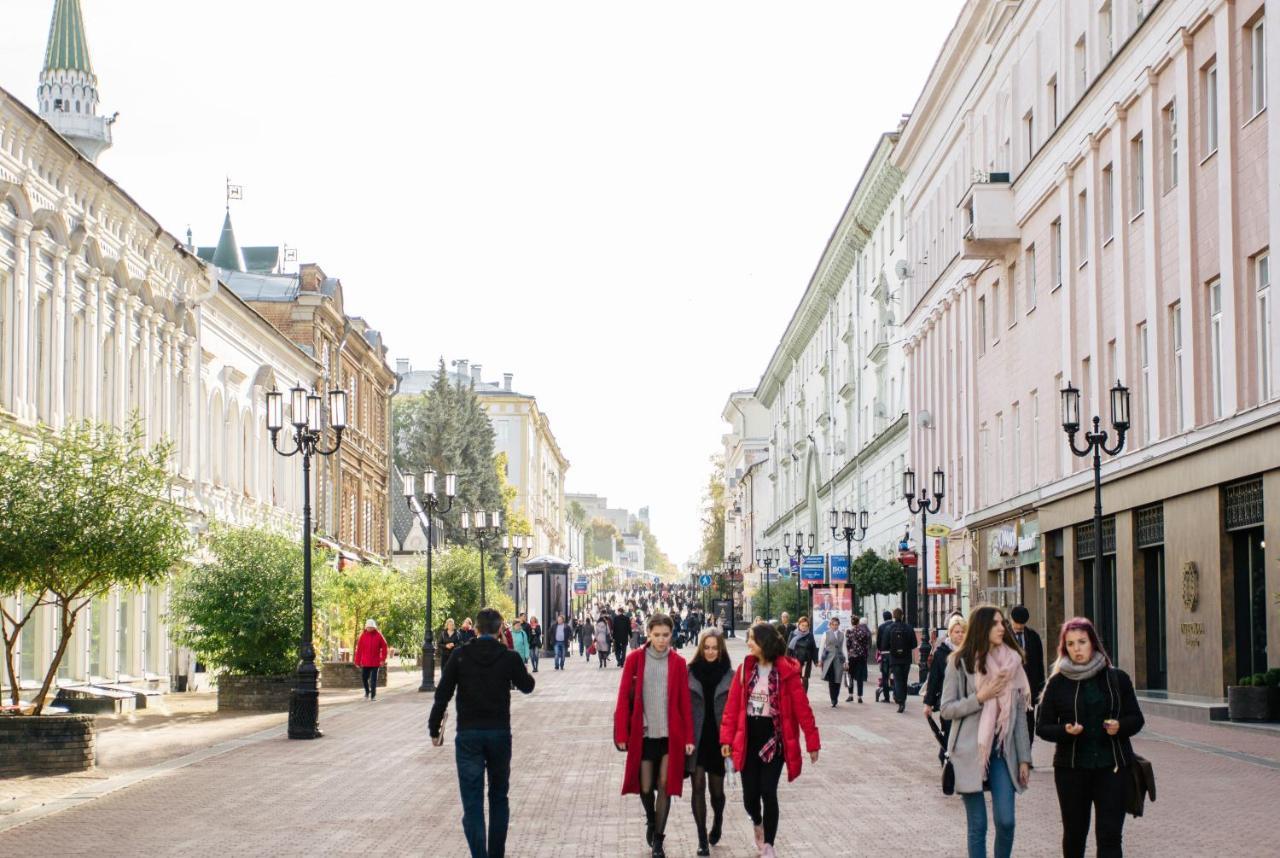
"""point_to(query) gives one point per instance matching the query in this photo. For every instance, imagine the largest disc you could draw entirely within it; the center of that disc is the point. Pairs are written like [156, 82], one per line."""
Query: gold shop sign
[1192, 633]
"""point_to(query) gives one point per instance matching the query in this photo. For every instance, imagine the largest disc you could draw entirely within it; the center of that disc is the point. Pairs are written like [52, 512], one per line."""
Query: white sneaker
[767, 851]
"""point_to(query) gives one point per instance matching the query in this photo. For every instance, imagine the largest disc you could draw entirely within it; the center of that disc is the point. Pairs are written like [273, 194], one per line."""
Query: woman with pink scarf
[986, 696]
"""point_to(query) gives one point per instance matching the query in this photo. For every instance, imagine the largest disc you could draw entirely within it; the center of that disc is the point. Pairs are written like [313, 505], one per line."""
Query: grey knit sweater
[655, 693]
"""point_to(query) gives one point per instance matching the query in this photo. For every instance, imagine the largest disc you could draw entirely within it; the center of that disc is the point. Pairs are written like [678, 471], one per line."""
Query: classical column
[1164, 421]
[146, 369]
[1235, 299]
[92, 343]
[59, 356]
[191, 428]
[23, 299]
[123, 333]
[1193, 316]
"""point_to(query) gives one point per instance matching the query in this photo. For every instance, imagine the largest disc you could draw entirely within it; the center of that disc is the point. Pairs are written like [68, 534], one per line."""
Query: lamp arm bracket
[297, 446]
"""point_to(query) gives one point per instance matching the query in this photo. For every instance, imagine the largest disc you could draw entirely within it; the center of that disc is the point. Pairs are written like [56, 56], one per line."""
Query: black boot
[703, 848]
[649, 829]
[658, 851]
[714, 838]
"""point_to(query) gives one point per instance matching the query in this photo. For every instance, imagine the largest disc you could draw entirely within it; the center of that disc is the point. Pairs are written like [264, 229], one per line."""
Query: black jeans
[834, 688]
[886, 680]
[369, 679]
[1099, 790]
[481, 752]
[900, 672]
[620, 652]
[760, 779]
[808, 669]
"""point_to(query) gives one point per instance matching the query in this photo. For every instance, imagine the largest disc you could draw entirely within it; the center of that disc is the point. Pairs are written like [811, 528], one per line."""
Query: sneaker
[859, 699]
[849, 699]
[902, 707]
[767, 851]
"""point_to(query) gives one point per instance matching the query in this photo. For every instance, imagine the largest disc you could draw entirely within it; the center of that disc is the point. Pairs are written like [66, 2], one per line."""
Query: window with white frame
[1262, 273]
[1258, 65]
[995, 310]
[1051, 95]
[996, 468]
[1035, 438]
[1108, 204]
[1029, 133]
[1011, 296]
[1082, 228]
[1169, 128]
[1137, 175]
[1029, 272]
[1055, 252]
[1147, 432]
[1015, 465]
[982, 324]
[1215, 344]
[1175, 337]
[1209, 99]
[1105, 31]
[1082, 66]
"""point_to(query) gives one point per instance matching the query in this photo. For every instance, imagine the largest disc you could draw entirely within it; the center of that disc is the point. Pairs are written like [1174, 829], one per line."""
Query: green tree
[358, 593]
[654, 558]
[713, 513]
[456, 577]
[241, 610]
[90, 510]
[603, 539]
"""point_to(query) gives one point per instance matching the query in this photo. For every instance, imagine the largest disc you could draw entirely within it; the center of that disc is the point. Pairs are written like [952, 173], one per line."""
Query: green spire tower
[68, 92]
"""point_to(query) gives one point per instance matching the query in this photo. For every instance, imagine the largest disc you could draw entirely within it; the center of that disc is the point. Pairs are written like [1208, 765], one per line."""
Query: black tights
[760, 791]
[701, 779]
[654, 795]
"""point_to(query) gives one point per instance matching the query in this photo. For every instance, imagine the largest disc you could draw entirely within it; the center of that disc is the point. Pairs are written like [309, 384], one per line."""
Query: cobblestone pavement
[374, 783]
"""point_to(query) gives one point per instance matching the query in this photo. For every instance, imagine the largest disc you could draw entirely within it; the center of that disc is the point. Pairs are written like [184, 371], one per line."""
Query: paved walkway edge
[128, 779]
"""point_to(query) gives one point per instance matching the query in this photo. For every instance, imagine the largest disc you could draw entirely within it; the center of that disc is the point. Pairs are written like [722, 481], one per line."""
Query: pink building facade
[1087, 199]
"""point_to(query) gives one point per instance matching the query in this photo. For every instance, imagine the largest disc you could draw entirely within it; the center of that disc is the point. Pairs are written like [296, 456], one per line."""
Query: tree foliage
[85, 509]
[713, 514]
[603, 540]
[654, 558]
[360, 592]
[456, 584]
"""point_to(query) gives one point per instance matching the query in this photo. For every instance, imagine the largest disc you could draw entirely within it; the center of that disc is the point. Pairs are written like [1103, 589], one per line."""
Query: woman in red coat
[766, 710]
[653, 724]
[370, 654]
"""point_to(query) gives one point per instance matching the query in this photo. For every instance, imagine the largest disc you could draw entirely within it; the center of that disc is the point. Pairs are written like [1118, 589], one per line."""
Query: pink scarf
[993, 724]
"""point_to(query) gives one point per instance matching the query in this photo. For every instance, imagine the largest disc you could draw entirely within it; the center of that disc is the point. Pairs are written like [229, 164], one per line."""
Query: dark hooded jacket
[482, 672]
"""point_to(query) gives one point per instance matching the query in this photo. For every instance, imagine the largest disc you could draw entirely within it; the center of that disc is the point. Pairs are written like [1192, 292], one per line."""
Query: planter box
[1251, 703]
[344, 674]
[255, 693]
[46, 744]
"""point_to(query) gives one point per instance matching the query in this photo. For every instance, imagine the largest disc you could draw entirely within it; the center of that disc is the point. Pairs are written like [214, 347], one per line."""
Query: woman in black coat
[710, 677]
[450, 640]
[938, 671]
[1089, 710]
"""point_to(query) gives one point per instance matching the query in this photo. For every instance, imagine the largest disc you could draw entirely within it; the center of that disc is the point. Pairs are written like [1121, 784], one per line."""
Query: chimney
[475, 374]
[460, 367]
[506, 381]
[403, 367]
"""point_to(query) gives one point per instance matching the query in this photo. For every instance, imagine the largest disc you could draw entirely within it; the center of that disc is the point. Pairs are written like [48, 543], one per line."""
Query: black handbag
[1140, 785]
[948, 778]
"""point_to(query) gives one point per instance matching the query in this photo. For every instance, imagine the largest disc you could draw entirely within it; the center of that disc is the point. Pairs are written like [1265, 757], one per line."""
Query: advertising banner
[580, 586]
[831, 602]
[839, 569]
[814, 571]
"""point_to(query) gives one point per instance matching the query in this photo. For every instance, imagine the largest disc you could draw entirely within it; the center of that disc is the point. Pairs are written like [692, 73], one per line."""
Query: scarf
[994, 722]
[709, 673]
[770, 748]
[1081, 672]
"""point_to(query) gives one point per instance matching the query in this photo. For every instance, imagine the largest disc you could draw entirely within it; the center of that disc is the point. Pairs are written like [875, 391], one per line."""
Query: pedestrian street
[374, 783]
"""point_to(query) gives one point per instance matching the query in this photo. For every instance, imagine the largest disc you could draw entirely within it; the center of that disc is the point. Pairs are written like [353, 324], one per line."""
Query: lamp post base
[428, 667]
[304, 705]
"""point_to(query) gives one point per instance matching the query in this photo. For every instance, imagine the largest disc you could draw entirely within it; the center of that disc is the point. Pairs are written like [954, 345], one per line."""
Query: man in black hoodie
[482, 672]
[621, 634]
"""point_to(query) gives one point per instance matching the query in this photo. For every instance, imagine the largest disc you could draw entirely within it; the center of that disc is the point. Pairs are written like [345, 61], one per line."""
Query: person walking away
[534, 632]
[520, 641]
[857, 641]
[586, 634]
[482, 674]
[882, 658]
[902, 641]
[561, 640]
[937, 675]
[927, 643]
[766, 711]
[1033, 650]
[803, 647]
[450, 640]
[1090, 711]
[637, 638]
[985, 694]
[370, 655]
[710, 676]
[603, 640]
[653, 725]
[833, 659]
[467, 633]
[621, 634]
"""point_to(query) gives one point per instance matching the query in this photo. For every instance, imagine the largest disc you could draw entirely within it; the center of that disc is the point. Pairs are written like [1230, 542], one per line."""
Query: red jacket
[796, 714]
[371, 649]
[628, 718]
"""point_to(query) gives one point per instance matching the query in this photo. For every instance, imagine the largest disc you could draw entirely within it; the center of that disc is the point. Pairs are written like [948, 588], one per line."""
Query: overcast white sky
[619, 203]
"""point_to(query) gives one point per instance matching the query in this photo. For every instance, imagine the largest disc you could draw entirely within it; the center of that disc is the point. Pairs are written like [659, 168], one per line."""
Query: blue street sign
[839, 569]
[814, 570]
[704, 580]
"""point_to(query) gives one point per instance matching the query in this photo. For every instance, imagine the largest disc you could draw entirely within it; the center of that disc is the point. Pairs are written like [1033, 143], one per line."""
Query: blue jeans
[478, 752]
[534, 652]
[560, 646]
[975, 808]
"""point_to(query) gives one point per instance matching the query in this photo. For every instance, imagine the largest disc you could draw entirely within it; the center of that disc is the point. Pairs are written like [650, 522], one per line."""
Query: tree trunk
[11, 641]
[68, 627]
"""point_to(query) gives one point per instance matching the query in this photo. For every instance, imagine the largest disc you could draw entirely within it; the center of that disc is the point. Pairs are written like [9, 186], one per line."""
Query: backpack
[899, 641]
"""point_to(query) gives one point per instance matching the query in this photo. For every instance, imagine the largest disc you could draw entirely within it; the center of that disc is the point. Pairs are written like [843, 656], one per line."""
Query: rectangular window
[1051, 94]
[1029, 133]
[1209, 96]
[1011, 296]
[1104, 30]
[1137, 172]
[1108, 204]
[1082, 66]
[1175, 336]
[1015, 465]
[1029, 271]
[1258, 65]
[1262, 267]
[982, 325]
[1169, 128]
[997, 468]
[995, 310]
[1055, 249]
[1144, 365]
[1215, 343]
[1082, 228]
[1035, 439]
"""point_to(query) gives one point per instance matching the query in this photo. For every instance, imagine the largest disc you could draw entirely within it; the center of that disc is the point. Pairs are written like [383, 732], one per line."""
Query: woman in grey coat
[710, 676]
[985, 695]
[833, 659]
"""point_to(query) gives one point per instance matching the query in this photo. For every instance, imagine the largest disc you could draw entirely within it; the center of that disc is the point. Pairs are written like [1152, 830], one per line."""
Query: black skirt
[654, 749]
[709, 757]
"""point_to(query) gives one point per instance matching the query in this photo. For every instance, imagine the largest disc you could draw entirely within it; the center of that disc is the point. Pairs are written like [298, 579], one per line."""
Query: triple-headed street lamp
[426, 517]
[798, 555]
[1096, 443]
[486, 533]
[768, 558]
[845, 526]
[921, 505]
[733, 567]
[517, 546]
[306, 417]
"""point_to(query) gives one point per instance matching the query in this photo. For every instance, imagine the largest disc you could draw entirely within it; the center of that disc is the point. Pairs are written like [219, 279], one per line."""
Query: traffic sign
[704, 580]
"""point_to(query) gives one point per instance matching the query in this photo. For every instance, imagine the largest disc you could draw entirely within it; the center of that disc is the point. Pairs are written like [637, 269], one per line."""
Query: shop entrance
[1157, 646]
[1251, 601]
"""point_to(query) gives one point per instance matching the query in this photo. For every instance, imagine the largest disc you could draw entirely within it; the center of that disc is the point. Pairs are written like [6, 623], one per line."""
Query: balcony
[990, 228]
[878, 345]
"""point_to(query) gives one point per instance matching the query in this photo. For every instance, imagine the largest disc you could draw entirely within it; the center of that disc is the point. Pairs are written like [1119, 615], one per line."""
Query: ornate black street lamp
[517, 546]
[798, 555]
[486, 533]
[307, 420]
[768, 558]
[1096, 444]
[920, 504]
[426, 517]
[733, 568]
[845, 526]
